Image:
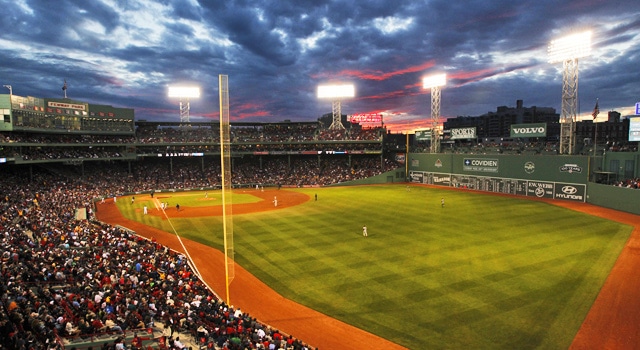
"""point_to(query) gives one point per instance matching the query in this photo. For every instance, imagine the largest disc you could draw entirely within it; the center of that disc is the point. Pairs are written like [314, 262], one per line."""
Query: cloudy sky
[276, 53]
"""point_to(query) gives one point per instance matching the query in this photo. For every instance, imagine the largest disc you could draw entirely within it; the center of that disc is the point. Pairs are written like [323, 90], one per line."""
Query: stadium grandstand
[59, 155]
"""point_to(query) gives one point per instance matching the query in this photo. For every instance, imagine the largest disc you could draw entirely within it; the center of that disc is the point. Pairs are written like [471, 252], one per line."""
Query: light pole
[336, 93]
[10, 89]
[184, 93]
[567, 50]
[435, 82]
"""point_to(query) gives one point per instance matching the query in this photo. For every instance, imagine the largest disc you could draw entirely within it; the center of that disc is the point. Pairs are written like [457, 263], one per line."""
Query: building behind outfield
[51, 115]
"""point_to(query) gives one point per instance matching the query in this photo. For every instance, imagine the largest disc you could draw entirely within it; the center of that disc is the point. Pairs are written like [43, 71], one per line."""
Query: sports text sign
[463, 133]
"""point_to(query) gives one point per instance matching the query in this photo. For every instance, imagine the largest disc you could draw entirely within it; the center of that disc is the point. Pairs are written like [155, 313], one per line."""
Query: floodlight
[570, 47]
[434, 80]
[336, 91]
[184, 91]
[568, 50]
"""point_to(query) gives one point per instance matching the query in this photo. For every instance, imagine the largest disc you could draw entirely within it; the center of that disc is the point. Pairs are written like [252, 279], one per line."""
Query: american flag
[596, 110]
[64, 87]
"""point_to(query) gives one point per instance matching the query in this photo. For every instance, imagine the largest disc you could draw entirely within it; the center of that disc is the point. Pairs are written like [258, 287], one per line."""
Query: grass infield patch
[482, 272]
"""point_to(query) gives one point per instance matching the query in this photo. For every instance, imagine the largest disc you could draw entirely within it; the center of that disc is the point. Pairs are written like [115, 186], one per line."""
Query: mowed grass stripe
[484, 272]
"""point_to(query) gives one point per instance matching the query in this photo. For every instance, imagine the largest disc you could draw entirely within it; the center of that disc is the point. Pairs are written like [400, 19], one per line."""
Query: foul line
[157, 204]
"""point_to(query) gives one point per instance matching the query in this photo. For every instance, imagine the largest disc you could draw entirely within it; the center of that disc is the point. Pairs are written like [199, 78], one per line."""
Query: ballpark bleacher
[81, 284]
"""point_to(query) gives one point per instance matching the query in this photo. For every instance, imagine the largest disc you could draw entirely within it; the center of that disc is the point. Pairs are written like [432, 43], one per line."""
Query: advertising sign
[463, 133]
[540, 189]
[441, 179]
[572, 192]
[423, 135]
[634, 129]
[366, 118]
[529, 130]
[417, 177]
[480, 164]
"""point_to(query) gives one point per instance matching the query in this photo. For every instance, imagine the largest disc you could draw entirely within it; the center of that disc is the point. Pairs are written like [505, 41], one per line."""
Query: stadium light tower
[568, 50]
[184, 93]
[336, 93]
[435, 82]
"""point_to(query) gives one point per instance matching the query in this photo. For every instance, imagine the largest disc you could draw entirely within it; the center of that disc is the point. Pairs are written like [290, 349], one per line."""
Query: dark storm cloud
[276, 53]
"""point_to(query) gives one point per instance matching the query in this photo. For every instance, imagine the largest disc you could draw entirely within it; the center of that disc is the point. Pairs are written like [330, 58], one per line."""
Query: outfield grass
[484, 272]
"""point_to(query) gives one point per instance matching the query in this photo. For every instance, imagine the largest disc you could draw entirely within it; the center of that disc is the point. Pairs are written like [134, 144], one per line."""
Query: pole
[596, 111]
[406, 158]
[595, 138]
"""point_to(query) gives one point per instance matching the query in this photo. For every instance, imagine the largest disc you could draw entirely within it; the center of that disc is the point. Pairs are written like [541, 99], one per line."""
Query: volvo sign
[529, 130]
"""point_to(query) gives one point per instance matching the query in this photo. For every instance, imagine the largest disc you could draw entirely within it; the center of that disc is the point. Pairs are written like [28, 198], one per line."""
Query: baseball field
[483, 271]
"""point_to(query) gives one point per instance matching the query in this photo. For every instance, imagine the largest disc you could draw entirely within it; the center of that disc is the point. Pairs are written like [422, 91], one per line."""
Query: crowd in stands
[68, 278]
[309, 171]
[295, 138]
[51, 153]
[523, 148]
[516, 148]
[204, 134]
[628, 183]
[287, 171]
[38, 138]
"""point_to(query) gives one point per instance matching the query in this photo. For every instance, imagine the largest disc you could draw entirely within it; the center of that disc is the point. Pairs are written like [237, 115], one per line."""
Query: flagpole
[596, 111]
[595, 139]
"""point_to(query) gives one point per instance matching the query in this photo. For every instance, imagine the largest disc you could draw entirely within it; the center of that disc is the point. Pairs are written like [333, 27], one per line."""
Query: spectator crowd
[64, 279]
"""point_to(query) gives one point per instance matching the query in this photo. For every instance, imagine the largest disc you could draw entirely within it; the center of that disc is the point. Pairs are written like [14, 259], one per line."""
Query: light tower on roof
[567, 50]
[435, 82]
[184, 93]
[336, 93]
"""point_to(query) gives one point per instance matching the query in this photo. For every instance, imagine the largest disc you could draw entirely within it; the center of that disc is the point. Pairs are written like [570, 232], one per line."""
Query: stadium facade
[511, 151]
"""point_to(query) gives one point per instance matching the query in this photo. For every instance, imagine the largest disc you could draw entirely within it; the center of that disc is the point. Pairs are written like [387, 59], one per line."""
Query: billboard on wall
[634, 129]
[529, 130]
[463, 133]
[423, 135]
[480, 164]
[366, 118]
[520, 187]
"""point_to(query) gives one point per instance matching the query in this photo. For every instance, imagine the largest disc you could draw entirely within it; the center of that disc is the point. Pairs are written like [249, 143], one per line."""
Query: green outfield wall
[619, 198]
[397, 175]
[541, 176]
